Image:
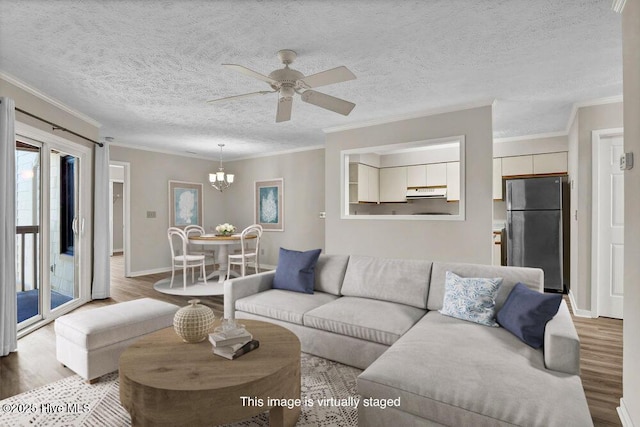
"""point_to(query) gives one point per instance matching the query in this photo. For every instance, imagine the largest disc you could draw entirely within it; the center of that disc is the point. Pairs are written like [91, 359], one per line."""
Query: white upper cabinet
[368, 183]
[550, 163]
[453, 181]
[417, 176]
[517, 165]
[497, 178]
[393, 184]
[374, 184]
[436, 174]
[535, 164]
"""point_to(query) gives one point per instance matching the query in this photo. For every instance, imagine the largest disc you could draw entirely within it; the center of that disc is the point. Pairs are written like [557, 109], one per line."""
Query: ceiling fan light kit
[287, 82]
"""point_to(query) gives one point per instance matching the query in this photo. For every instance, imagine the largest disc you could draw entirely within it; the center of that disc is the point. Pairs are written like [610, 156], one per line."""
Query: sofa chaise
[382, 316]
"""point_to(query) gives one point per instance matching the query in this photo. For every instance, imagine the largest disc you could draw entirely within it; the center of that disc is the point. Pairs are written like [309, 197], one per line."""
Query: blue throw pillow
[296, 270]
[526, 312]
[471, 298]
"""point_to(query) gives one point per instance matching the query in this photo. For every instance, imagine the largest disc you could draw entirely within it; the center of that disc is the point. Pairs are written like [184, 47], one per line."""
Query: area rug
[73, 402]
[199, 289]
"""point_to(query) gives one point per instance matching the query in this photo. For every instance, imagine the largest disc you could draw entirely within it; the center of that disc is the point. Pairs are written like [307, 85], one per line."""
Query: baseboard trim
[580, 312]
[152, 271]
[625, 418]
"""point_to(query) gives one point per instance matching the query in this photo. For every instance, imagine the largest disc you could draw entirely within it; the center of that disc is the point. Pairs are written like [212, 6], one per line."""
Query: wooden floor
[34, 364]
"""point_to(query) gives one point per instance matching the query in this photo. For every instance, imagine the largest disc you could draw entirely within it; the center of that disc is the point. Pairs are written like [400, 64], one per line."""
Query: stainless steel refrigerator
[537, 227]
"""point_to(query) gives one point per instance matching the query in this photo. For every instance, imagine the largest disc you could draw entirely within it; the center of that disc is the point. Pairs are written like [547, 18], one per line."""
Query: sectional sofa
[381, 315]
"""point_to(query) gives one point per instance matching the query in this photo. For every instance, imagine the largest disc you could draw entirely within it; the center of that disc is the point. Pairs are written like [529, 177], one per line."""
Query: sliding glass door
[65, 228]
[28, 260]
[53, 249]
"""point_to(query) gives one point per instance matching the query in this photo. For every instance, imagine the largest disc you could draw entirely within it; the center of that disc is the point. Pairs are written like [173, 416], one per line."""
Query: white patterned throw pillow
[471, 298]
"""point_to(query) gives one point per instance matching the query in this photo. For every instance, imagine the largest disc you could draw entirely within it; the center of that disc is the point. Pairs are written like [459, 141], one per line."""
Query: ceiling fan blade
[328, 102]
[251, 73]
[284, 109]
[334, 75]
[246, 95]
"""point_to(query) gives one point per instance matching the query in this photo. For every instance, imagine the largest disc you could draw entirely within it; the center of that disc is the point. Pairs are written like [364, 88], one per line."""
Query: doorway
[608, 224]
[119, 190]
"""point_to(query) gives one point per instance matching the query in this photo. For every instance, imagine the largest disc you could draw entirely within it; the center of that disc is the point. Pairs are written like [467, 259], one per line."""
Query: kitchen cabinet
[436, 174]
[417, 176]
[497, 178]
[393, 184]
[453, 181]
[368, 183]
[550, 163]
[517, 165]
[429, 175]
[534, 164]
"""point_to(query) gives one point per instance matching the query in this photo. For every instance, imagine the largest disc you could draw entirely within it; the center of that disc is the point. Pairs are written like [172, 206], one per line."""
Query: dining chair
[247, 253]
[181, 258]
[194, 249]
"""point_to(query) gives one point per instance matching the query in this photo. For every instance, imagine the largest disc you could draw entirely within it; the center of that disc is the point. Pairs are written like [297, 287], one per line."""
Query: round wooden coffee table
[167, 382]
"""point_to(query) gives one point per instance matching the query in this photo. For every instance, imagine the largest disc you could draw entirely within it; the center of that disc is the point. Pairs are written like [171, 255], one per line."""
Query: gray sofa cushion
[330, 271]
[283, 305]
[372, 320]
[459, 373]
[396, 280]
[532, 277]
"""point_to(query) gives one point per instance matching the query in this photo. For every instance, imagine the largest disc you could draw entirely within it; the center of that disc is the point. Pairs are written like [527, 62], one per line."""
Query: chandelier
[220, 180]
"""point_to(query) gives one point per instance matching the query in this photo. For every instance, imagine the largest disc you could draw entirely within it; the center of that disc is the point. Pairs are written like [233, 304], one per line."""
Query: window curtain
[100, 288]
[8, 303]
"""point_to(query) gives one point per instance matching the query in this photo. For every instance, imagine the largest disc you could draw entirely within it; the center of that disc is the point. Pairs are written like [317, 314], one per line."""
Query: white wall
[304, 195]
[303, 174]
[150, 173]
[464, 241]
[631, 337]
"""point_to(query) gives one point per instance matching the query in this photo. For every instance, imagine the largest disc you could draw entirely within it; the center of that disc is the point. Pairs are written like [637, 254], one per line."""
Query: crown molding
[589, 103]
[58, 104]
[412, 115]
[280, 153]
[204, 157]
[162, 151]
[527, 137]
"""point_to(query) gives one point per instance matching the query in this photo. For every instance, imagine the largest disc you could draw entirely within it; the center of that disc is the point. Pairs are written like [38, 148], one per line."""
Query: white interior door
[609, 220]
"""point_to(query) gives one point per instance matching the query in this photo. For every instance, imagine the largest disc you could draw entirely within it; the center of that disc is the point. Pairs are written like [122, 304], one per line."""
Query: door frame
[596, 139]
[127, 213]
[47, 141]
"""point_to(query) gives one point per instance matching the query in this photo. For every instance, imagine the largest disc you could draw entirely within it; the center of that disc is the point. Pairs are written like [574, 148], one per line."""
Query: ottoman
[90, 342]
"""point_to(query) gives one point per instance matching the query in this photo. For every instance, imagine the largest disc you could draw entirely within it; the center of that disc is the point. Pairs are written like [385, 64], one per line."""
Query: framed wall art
[269, 204]
[185, 204]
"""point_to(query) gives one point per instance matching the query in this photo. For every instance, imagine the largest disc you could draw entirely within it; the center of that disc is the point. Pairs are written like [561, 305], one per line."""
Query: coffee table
[167, 382]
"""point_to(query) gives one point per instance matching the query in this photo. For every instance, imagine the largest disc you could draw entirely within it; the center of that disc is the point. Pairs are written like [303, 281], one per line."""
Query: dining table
[223, 242]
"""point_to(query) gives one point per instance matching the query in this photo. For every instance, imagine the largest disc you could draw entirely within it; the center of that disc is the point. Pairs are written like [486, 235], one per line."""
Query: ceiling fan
[287, 82]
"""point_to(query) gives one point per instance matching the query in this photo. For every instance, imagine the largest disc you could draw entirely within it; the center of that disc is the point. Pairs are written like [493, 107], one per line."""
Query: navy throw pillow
[296, 270]
[526, 312]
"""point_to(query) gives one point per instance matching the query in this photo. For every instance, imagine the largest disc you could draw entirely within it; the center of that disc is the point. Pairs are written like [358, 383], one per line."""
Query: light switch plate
[151, 214]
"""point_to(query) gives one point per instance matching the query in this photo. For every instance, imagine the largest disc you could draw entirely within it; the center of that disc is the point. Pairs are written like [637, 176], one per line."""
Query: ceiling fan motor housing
[287, 79]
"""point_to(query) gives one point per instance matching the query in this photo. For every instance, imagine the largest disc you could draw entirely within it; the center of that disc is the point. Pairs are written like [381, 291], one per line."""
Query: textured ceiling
[144, 69]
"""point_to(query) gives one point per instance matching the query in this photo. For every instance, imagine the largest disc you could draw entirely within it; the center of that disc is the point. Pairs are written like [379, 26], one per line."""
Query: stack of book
[233, 344]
